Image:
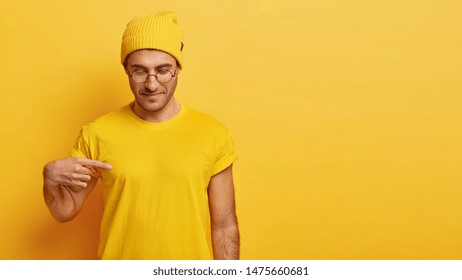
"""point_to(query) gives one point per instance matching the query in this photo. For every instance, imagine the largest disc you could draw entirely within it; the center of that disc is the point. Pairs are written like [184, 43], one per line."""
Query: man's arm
[67, 183]
[225, 232]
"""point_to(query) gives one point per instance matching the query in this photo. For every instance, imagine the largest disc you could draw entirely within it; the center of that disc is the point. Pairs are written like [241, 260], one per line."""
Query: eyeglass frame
[155, 75]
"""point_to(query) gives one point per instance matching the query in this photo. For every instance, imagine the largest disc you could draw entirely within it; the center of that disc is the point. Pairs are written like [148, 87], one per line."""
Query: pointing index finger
[94, 163]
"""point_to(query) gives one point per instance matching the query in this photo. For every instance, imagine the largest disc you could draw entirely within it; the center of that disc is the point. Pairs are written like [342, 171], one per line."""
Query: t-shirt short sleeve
[81, 148]
[226, 155]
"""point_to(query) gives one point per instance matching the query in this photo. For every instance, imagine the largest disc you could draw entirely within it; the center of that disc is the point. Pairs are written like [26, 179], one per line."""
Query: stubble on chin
[153, 103]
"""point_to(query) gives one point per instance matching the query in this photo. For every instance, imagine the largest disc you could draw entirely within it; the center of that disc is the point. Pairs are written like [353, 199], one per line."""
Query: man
[166, 170]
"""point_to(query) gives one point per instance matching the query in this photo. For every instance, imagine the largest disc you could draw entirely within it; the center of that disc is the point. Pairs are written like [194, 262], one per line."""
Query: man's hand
[67, 184]
[73, 172]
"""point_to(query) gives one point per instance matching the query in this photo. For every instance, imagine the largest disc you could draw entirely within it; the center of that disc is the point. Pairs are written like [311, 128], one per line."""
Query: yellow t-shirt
[155, 196]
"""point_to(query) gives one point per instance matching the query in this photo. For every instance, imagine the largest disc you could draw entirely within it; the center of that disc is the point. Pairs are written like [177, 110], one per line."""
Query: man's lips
[151, 93]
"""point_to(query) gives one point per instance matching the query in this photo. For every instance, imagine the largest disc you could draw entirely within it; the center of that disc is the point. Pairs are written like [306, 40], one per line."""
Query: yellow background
[346, 116]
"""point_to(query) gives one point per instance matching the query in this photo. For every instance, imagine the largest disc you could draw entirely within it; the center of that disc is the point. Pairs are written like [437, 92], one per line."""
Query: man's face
[152, 96]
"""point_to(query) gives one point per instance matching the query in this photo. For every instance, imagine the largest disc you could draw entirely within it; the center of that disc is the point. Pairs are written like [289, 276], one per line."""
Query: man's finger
[78, 183]
[82, 177]
[94, 163]
[84, 169]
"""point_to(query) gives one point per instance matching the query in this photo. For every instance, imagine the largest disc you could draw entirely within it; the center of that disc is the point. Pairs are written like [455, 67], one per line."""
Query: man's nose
[152, 83]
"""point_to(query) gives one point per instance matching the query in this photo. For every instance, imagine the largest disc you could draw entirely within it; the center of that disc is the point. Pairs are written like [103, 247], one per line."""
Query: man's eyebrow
[164, 65]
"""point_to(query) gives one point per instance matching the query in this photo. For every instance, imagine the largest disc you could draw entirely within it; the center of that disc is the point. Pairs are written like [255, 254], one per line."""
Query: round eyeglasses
[162, 76]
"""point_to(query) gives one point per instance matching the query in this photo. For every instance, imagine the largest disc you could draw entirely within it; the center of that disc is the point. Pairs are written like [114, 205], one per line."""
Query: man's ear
[125, 64]
[178, 68]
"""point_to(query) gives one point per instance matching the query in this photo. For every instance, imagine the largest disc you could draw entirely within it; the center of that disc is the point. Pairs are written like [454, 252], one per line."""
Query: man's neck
[162, 115]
